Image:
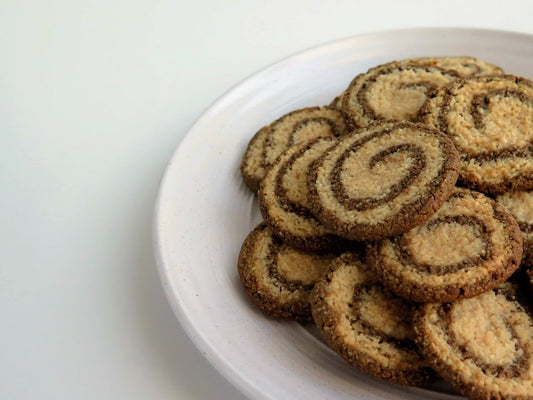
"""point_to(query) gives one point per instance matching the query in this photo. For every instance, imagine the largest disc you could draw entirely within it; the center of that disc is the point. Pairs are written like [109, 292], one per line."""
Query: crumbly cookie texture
[520, 205]
[283, 199]
[382, 180]
[482, 346]
[468, 247]
[490, 120]
[277, 277]
[396, 90]
[465, 66]
[366, 324]
[292, 128]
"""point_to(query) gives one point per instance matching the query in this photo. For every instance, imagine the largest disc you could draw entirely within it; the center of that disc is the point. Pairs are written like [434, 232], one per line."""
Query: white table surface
[94, 98]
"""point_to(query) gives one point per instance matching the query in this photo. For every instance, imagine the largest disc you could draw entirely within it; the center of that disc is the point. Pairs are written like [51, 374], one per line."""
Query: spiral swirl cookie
[396, 90]
[490, 120]
[366, 324]
[283, 199]
[466, 67]
[520, 205]
[483, 346]
[468, 247]
[277, 277]
[382, 180]
[292, 128]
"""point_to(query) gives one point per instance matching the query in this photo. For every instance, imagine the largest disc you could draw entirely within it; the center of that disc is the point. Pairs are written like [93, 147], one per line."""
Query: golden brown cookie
[396, 90]
[466, 67]
[366, 324]
[382, 180]
[490, 120]
[292, 128]
[277, 277]
[283, 199]
[483, 346]
[520, 205]
[468, 247]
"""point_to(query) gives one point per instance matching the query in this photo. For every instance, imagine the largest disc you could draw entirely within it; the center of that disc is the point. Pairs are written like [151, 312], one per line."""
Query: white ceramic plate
[204, 212]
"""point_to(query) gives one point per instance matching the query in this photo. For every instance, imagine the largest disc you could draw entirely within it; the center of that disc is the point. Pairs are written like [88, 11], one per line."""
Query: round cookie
[283, 199]
[292, 128]
[520, 205]
[396, 90]
[483, 346]
[466, 67]
[382, 180]
[490, 120]
[468, 247]
[277, 277]
[366, 324]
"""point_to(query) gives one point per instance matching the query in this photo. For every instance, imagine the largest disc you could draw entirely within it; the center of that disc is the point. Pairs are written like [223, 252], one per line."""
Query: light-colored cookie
[490, 120]
[483, 346]
[396, 90]
[283, 199]
[292, 128]
[366, 324]
[467, 247]
[382, 180]
[277, 277]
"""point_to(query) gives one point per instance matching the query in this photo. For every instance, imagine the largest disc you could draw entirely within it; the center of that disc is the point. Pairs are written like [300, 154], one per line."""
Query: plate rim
[227, 370]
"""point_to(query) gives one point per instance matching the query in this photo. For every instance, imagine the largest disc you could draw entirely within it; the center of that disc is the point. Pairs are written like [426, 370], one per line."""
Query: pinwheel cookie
[293, 128]
[366, 324]
[382, 180]
[482, 346]
[396, 90]
[468, 247]
[277, 277]
[490, 120]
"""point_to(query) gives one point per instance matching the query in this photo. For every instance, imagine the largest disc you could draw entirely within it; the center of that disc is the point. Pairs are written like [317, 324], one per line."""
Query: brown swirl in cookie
[469, 246]
[478, 230]
[393, 91]
[382, 180]
[418, 163]
[490, 120]
[400, 307]
[290, 129]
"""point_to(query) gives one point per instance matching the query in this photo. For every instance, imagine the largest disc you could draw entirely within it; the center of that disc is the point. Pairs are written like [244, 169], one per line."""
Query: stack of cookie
[397, 219]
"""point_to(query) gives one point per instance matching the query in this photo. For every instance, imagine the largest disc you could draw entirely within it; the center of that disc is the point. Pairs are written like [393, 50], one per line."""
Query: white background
[94, 98]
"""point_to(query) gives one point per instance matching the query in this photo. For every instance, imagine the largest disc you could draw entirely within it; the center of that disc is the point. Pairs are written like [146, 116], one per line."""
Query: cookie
[468, 247]
[292, 128]
[483, 346]
[396, 90]
[283, 199]
[466, 67]
[520, 205]
[277, 277]
[366, 324]
[490, 120]
[382, 180]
